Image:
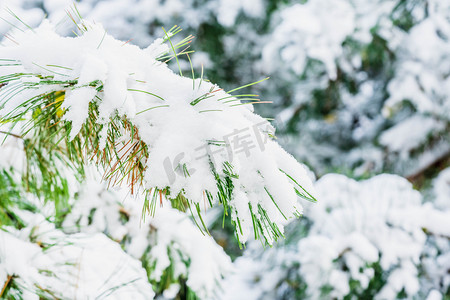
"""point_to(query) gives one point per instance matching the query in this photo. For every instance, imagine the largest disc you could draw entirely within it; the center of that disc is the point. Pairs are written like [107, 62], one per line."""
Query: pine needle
[101, 40]
[151, 109]
[247, 85]
[146, 92]
[19, 19]
[174, 52]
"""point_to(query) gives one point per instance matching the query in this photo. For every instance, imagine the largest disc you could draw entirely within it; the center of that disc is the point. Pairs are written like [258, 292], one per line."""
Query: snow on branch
[95, 98]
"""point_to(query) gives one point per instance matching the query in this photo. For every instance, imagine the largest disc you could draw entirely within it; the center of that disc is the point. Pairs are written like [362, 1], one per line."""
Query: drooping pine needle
[151, 109]
[146, 92]
[51, 71]
[56, 66]
[311, 198]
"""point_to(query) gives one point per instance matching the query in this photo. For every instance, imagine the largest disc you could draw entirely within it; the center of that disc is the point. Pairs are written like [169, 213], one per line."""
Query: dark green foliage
[168, 277]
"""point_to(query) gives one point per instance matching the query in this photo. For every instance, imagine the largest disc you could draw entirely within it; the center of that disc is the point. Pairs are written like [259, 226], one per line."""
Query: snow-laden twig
[95, 98]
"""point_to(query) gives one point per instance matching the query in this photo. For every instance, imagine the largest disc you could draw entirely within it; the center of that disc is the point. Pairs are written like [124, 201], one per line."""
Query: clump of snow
[416, 128]
[169, 240]
[188, 123]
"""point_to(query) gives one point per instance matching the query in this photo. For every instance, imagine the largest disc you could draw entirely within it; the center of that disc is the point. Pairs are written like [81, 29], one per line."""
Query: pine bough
[94, 98]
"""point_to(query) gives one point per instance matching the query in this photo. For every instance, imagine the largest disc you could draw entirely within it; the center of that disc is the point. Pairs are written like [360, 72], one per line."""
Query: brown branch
[11, 134]
[8, 280]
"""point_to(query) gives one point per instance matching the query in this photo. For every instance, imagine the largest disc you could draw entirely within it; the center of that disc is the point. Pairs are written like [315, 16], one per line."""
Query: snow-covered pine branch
[92, 97]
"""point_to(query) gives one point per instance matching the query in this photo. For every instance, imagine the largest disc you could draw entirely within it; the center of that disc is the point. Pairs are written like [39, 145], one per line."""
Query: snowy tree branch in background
[372, 239]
